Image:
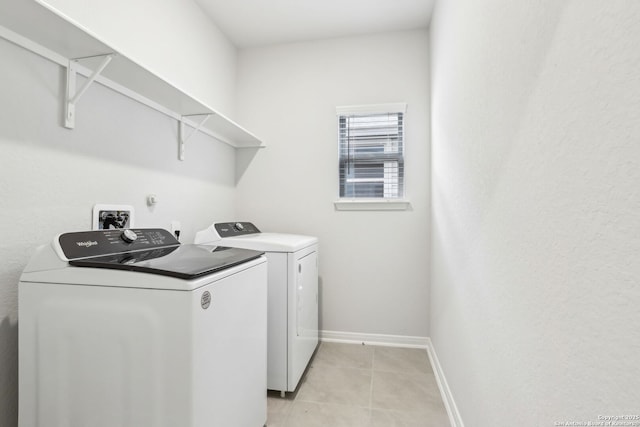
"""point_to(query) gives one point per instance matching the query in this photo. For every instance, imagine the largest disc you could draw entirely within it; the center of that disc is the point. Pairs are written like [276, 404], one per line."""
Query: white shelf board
[47, 29]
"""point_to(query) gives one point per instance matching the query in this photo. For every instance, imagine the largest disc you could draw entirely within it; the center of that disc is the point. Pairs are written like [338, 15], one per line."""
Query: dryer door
[305, 337]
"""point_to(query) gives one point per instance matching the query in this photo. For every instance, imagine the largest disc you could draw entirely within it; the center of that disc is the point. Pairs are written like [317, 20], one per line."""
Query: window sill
[372, 205]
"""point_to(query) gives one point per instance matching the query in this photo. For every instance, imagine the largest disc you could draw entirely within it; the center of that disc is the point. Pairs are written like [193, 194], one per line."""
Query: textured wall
[535, 310]
[50, 177]
[373, 265]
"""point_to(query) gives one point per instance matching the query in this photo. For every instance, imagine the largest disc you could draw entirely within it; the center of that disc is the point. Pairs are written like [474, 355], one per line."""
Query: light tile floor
[362, 386]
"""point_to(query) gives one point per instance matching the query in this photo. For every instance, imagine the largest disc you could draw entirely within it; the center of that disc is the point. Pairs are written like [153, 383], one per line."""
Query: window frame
[372, 203]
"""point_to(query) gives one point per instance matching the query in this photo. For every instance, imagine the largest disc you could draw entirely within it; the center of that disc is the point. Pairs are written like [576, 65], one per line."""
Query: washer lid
[184, 261]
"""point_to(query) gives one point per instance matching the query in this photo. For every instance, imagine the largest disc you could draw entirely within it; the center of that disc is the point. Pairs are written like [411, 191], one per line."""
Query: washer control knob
[129, 236]
[238, 226]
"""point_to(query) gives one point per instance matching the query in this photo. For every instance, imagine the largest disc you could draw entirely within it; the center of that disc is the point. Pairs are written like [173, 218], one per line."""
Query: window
[371, 151]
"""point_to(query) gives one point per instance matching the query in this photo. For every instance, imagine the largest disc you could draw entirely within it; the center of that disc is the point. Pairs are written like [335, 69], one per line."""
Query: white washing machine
[123, 329]
[292, 335]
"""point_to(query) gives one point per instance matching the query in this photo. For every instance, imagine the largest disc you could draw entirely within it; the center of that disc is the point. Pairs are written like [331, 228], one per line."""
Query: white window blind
[371, 151]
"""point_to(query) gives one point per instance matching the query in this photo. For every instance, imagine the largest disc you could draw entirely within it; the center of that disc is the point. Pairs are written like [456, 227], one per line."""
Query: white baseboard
[374, 339]
[452, 410]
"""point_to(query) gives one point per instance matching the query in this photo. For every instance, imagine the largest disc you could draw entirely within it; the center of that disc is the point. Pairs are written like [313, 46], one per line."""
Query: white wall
[535, 303]
[50, 177]
[172, 38]
[373, 265]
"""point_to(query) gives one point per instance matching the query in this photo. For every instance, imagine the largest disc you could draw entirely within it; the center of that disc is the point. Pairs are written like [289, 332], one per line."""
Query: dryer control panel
[234, 229]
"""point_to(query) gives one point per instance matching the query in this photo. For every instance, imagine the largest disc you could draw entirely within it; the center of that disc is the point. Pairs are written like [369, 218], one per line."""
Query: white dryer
[134, 329]
[292, 335]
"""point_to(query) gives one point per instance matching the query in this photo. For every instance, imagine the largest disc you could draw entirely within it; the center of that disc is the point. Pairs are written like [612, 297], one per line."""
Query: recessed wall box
[106, 217]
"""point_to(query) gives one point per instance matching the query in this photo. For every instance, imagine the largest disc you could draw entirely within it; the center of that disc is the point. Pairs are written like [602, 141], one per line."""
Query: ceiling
[249, 23]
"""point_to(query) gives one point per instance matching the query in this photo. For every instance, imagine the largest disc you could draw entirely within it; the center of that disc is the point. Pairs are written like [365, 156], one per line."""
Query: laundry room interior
[510, 260]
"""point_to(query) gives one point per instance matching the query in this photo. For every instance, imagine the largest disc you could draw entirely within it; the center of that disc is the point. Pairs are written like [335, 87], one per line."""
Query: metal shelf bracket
[182, 138]
[72, 96]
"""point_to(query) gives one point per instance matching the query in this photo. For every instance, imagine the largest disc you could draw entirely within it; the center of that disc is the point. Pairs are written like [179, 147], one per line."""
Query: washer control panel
[233, 229]
[129, 236]
[85, 244]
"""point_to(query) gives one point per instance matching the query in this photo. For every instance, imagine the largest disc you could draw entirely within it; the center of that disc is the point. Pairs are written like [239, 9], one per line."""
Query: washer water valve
[175, 228]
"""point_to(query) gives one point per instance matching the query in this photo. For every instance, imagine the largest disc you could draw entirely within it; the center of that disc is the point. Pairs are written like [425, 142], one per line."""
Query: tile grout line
[373, 361]
[344, 405]
[286, 419]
